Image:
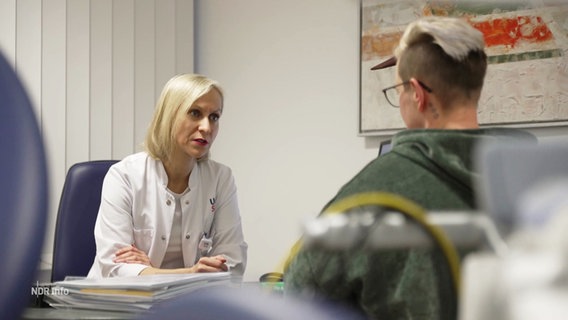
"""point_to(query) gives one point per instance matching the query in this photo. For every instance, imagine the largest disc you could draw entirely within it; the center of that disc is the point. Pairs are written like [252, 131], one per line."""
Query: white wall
[289, 129]
[93, 70]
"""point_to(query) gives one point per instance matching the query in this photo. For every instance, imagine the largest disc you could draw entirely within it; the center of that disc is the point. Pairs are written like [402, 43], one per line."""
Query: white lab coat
[136, 208]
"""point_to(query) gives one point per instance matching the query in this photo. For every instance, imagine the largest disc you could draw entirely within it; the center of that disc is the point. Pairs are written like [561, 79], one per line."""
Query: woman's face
[198, 129]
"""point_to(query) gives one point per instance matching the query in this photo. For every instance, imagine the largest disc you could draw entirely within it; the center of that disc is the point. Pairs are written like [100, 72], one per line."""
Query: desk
[48, 313]
[215, 302]
[36, 312]
[38, 309]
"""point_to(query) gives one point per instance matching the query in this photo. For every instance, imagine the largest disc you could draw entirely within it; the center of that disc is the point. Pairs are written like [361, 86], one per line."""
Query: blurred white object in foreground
[531, 281]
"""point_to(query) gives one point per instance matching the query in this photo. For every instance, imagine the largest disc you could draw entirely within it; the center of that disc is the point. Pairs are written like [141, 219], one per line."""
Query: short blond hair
[454, 35]
[445, 52]
[177, 97]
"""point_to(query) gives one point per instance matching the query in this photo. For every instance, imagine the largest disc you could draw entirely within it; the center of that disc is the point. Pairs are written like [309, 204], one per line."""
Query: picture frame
[527, 46]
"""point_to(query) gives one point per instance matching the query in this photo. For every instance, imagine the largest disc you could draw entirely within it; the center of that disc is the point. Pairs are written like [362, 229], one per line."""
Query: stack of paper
[129, 294]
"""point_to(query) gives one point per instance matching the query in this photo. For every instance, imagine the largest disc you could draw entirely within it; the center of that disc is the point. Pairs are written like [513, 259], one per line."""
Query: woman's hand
[210, 264]
[131, 254]
[205, 264]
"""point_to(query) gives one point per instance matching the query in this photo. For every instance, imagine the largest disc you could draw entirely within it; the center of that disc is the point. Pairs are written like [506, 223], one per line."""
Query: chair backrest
[74, 246]
[23, 194]
[509, 171]
[385, 147]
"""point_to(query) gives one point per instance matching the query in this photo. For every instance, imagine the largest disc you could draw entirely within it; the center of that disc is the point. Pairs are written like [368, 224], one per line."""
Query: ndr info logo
[48, 291]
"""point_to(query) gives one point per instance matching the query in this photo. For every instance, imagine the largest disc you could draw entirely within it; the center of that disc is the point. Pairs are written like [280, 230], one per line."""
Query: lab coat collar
[193, 181]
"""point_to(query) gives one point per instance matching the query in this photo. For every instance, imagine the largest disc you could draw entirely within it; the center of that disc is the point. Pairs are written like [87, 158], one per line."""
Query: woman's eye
[195, 113]
[214, 117]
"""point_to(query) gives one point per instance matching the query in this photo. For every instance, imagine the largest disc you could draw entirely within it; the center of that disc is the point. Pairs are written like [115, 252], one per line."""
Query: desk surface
[48, 313]
[72, 314]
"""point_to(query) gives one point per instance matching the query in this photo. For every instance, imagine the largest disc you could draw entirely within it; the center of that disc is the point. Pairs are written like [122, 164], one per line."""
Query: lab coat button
[164, 238]
[168, 202]
[187, 202]
[187, 236]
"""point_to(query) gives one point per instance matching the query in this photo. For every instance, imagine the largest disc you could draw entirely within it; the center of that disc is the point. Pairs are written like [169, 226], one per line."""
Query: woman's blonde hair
[177, 97]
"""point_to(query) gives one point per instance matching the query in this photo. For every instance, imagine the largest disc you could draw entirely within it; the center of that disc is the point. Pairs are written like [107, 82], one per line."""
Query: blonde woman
[170, 209]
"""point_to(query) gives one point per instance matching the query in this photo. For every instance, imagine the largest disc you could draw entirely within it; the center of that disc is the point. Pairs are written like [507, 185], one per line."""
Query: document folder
[129, 294]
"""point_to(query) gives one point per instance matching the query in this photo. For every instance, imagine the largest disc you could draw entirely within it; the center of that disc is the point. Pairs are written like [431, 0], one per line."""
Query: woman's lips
[201, 142]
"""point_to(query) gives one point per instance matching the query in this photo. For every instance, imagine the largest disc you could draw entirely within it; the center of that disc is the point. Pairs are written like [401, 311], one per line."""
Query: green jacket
[433, 168]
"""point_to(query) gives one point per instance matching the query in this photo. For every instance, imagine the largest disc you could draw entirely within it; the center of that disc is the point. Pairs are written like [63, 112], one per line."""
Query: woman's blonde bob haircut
[177, 97]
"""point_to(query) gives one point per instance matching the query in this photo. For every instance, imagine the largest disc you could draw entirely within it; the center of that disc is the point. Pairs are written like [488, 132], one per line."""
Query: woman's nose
[204, 125]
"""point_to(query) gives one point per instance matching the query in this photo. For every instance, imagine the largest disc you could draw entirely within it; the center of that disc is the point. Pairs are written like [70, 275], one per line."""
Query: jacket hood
[451, 153]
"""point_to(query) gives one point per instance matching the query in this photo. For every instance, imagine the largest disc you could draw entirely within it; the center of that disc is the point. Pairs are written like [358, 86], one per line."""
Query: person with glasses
[440, 68]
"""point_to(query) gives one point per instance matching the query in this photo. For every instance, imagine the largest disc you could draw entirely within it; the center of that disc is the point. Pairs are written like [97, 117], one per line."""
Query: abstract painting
[526, 43]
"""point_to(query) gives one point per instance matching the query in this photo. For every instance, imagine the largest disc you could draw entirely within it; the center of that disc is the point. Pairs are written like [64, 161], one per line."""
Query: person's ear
[420, 96]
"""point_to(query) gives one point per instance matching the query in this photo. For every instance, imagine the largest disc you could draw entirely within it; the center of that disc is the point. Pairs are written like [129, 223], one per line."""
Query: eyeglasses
[393, 96]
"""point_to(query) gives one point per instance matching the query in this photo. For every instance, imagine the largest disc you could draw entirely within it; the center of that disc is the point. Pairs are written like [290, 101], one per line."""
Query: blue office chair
[74, 246]
[23, 194]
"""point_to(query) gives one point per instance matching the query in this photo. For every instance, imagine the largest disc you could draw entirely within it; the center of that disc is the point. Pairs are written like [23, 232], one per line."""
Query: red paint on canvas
[511, 31]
